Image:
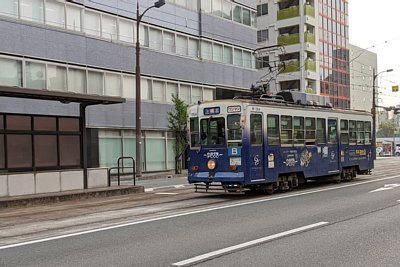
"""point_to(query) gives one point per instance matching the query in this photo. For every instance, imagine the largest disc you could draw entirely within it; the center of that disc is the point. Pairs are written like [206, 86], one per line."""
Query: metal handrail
[119, 172]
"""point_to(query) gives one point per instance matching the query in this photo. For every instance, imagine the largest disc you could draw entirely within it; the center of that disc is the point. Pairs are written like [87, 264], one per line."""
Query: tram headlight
[211, 164]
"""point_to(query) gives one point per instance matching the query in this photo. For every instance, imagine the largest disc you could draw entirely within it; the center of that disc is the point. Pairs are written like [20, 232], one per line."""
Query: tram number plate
[235, 161]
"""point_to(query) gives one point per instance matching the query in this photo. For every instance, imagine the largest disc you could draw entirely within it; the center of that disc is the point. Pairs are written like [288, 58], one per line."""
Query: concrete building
[362, 65]
[198, 50]
[306, 43]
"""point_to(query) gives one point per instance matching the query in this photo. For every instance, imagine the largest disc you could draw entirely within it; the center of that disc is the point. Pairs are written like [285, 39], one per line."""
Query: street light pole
[139, 17]
[373, 109]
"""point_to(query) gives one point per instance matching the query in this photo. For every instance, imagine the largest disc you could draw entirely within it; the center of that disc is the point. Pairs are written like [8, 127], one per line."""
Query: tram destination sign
[212, 111]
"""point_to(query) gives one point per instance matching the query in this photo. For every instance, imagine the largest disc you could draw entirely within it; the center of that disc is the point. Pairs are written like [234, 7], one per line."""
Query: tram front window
[212, 131]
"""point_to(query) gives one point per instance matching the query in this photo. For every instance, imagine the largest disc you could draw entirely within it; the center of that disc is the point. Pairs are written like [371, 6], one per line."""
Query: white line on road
[165, 193]
[246, 245]
[192, 212]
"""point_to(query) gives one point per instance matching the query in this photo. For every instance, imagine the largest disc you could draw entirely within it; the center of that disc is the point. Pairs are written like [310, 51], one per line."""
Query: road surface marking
[165, 193]
[246, 245]
[191, 213]
[386, 187]
[165, 187]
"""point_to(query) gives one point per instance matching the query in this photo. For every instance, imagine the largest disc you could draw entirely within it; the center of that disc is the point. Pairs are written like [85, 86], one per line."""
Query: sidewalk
[113, 190]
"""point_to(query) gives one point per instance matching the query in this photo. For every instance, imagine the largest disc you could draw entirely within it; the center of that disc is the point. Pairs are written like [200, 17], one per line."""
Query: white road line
[165, 193]
[190, 213]
[246, 245]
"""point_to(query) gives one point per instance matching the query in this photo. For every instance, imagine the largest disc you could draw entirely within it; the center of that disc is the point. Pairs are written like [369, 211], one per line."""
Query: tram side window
[352, 132]
[286, 130]
[321, 131]
[194, 132]
[344, 131]
[368, 136]
[234, 130]
[360, 132]
[212, 131]
[332, 131]
[310, 130]
[298, 126]
[273, 129]
[256, 136]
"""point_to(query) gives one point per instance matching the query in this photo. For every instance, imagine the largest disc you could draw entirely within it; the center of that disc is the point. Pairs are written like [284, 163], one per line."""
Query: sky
[375, 25]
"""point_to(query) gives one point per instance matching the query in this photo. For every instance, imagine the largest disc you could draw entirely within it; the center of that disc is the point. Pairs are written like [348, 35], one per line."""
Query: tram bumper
[217, 177]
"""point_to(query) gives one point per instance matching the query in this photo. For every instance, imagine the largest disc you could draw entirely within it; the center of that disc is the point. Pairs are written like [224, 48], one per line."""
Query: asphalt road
[347, 224]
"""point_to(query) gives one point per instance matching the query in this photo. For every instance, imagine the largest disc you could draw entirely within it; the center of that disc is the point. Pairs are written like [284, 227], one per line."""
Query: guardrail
[119, 170]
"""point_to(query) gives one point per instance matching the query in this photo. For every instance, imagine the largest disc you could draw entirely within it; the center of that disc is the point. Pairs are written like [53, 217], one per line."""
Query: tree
[386, 129]
[177, 119]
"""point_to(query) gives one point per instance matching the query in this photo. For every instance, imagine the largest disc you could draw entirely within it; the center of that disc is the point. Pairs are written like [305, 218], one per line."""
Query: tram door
[256, 147]
[333, 145]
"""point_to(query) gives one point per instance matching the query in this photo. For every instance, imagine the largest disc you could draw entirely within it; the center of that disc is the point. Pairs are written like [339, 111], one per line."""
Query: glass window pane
[171, 154]
[238, 58]
[32, 10]
[145, 89]
[45, 150]
[217, 52]
[55, 14]
[19, 150]
[184, 93]
[237, 14]
[9, 8]
[196, 94]
[206, 6]
[192, 4]
[155, 39]
[208, 94]
[44, 123]
[144, 35]
[110, 150]
[246, 17]
[228, 57]
[109, 27]
[321, 131]
[128, 86]
[18, 122]
[1, 122]
[35, 75]
[256, 137]
[126, 31]
[217, 7]
[68, 124]
[74, 18]
[155, 154]
[206, 50]
[169, 42]
[56, 78]
[95, 83]
[193, 47]
[172, 89]
[226, 9]
[158, 91]
[247, 62]
[70, 150]
[113, 84]
[181, 45]
[77, 81]
[273, 129]
[92, 23]
[10, 72]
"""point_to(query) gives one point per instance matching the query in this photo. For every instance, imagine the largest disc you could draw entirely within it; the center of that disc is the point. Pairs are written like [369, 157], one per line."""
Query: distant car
[379, 150]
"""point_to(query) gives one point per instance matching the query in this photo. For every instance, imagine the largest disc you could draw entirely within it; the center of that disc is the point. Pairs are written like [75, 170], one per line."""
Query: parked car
[397, 151]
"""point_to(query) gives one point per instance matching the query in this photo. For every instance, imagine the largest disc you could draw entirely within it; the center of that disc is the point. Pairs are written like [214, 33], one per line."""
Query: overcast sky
[376, 25]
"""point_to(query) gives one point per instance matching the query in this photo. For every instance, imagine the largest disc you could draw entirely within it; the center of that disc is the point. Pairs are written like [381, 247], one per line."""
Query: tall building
[362, 66]
[306, 45]
[197, 50]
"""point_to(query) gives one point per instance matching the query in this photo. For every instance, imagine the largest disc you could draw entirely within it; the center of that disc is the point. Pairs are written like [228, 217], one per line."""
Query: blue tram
[268, 144]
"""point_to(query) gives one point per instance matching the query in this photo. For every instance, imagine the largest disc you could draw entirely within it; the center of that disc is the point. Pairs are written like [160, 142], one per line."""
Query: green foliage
[177, 123]
[387, 129]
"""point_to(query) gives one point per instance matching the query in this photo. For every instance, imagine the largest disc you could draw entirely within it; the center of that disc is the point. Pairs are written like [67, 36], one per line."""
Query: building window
[56, 78]
[77, 81]
[128, 86]
[32, 10]
[109, 28]
[74, 18]
[206, 50]
[159, 91]
[193, 47]
[155, 39]
[172, 89]
[169, 42]
[126, 31]
[181, 45]
[113, 84]
[55, 14]
[92, 23]
[10, 72]
[237, 14]
[9, 8]
[262, 35]
[35, 75]
[217, 52]
[262, 9]
[95, 83]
